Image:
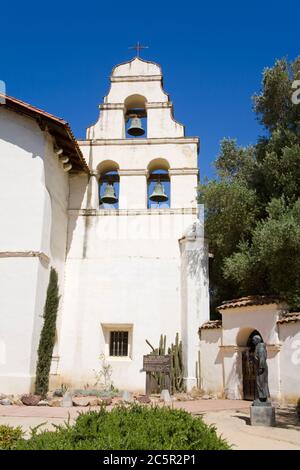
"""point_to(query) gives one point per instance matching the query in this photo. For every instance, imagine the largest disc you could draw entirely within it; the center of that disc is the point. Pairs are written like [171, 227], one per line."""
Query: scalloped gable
[136, 67]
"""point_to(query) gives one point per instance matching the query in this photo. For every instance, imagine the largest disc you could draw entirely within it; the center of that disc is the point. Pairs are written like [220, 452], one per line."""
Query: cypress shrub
[47, 338]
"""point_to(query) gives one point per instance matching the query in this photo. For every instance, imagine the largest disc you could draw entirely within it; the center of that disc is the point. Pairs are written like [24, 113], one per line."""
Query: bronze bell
[109, 196]
[158, 194]
[136, 128]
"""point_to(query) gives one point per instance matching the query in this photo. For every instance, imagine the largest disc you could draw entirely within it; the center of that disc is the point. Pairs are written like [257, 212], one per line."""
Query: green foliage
[9, 436]
[273, 105]
[298, 406]
[231, 211]
[129, 428]
[47, 338]
[231, 207]
[252, 207]
[234, 161]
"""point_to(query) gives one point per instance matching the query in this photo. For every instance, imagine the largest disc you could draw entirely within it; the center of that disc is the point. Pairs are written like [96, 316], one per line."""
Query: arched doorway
[248, 368]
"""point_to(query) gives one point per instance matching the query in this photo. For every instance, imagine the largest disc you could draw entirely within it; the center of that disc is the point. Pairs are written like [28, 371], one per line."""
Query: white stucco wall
[162, 124]
[135, 154]
[34, 192]
[194, 297]
[121, 270]
[211, 361]
[133, 191]
[239, 322]
[289, 334]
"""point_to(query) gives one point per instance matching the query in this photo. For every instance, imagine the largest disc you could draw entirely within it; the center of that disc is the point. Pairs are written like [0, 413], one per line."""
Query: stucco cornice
[133, 172]
[25, 254]
[235, 348]
[152, 141]
[151, 105]
[274, 347]
[230, 347]
[159, 104]
[136, 78]
[183, 171]
[127, 212]
[111, 106]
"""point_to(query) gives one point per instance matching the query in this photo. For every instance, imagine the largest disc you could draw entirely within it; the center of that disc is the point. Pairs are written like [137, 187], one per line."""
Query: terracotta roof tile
[211, 324]
[289, 317]
[249, 300]
[57, 127]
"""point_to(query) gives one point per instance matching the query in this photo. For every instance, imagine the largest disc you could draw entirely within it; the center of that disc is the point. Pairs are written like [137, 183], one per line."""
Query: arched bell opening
[159, 189]
[135, 116]
[109, 188]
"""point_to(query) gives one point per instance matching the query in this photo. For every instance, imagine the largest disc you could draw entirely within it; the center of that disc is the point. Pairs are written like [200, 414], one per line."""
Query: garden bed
[133, 427]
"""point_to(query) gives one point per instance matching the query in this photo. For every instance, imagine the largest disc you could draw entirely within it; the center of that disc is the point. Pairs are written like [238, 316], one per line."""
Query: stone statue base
[262, 414]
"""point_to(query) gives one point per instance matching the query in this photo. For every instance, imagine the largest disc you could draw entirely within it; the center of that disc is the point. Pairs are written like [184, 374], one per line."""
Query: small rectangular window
[118, 343]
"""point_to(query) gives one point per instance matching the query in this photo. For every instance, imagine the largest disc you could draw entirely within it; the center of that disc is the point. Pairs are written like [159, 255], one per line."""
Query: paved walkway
[235, 427]
[230, 417]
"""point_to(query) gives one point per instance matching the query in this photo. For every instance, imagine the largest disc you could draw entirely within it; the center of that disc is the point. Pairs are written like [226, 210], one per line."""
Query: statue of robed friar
[262, 392]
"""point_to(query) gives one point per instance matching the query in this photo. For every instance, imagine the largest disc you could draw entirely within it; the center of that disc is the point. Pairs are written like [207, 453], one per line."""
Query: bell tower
[137, 122]
[137, 259]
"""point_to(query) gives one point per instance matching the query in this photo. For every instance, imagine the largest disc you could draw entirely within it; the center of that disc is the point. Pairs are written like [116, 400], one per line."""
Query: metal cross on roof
[138, 48]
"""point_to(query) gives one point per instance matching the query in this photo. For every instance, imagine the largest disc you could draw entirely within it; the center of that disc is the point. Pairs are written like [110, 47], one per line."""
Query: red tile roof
[56, 126]
[289, 317]
[249, 300]
[211, 324]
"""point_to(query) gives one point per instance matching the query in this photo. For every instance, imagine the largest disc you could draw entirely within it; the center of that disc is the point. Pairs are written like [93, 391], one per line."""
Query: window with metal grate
[118, 344]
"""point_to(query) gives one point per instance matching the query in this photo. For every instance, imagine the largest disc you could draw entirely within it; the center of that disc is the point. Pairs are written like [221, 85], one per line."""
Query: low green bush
[129, 428]
[9, 436]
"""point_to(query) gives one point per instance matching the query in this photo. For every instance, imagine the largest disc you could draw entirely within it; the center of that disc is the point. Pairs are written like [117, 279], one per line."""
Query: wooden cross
[138, 48]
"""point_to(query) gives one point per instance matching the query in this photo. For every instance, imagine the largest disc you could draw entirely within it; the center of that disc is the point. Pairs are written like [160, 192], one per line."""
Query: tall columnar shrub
[47, 338]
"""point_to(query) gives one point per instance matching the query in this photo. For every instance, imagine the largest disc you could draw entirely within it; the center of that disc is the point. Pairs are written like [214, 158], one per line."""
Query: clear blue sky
[59, 55]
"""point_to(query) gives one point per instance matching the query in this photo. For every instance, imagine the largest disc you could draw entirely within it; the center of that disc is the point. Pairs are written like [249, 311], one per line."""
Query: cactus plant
[177, 370]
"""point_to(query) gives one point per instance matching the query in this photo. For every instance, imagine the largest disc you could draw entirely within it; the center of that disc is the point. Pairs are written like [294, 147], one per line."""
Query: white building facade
[128, 271]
